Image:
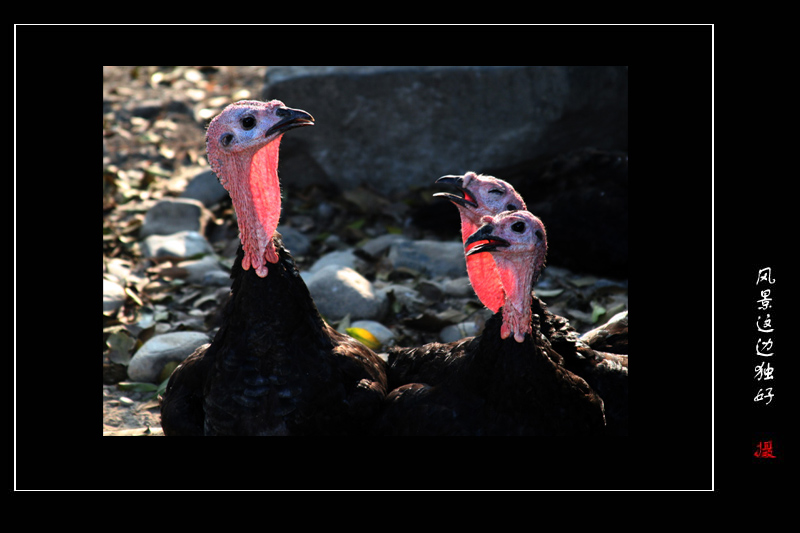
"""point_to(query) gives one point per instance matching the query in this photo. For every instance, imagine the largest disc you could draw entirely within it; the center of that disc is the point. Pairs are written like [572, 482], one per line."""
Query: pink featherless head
[518, 243]
[481, 196]
[242, 145]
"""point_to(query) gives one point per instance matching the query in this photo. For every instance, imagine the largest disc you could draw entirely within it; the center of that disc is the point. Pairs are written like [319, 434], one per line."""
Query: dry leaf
[364, 337]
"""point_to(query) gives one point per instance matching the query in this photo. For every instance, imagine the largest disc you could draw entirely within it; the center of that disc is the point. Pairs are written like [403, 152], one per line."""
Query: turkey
[606, 373]
[274, 367]
[482, 196]
[508, 380]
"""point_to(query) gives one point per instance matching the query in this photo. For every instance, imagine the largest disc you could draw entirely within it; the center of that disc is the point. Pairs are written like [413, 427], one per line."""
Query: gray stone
[339, 291]
[379, 245]
[147, 363]
[434, 258]
[205, 188]
[295, 241]
[341, 258]
[199, 269]
[459, 287]
[183, 244]
[400, 127]
[217, 278]
[406, 296]
[172, 215]
[458, 331]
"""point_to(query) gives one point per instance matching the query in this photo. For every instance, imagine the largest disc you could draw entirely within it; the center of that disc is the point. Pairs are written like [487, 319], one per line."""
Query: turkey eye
[495, 191]
[519, 227]
[539, 234]
[226, 139]
[511, 207]
[248, 123]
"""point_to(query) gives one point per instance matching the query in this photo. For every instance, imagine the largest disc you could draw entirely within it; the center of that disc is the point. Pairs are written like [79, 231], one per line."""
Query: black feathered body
[492, 386]
[274, 367]
[605, 373]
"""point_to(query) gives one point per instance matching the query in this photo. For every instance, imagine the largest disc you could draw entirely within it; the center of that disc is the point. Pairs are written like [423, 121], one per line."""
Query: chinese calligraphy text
[764, 345]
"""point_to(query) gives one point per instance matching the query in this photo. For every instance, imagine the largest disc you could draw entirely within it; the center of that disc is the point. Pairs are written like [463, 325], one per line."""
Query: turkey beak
[467, 200]
[492, 242]
[290, 119]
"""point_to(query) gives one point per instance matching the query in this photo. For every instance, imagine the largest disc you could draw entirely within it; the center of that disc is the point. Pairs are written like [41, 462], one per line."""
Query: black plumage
[606, 373]
[275, 367]
[486, 385]
[507, 381]
[587, 357]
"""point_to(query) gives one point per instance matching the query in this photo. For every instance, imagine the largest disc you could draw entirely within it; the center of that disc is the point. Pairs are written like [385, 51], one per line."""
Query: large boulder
[399, 127]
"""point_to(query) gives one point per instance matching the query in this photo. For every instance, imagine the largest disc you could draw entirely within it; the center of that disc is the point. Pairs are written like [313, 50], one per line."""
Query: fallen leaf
[133, 296]
[166, 372]
[121, 344]
[597, 311]
[582, 282]
[137, 386]
[162, 389]
[152, 403]
[548, 293]
[364, 337]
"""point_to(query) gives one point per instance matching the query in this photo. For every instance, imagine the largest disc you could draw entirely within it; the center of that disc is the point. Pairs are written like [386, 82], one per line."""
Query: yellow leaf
[364, 337]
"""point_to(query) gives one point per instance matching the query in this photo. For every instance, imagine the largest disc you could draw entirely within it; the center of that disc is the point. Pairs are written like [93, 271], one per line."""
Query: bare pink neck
[482, 271]
[255, 191]
[516, 274]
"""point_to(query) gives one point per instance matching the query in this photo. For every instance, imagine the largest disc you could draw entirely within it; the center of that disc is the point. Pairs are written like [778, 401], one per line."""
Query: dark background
[672, 446]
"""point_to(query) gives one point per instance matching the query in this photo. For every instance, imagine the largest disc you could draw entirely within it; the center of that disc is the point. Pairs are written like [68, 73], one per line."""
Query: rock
[182, 244]
[459, 287]
[294, 241]
[147, 363]
[172, 215]
[334, 242]
[339, 291]
[379, 245]
[341, 258]
[325, 211]
[458, 331]
[408, 297]
[433, 258]
[217, 278]
[205, 188]
[396, 128]
[199, 269]
[430, 290]
[307, 276]
[113, 297]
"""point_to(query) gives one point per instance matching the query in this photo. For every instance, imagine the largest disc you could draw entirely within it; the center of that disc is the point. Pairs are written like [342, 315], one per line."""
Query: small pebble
[181, 244]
